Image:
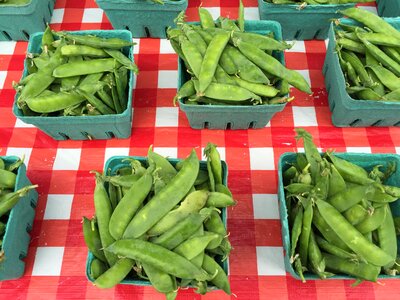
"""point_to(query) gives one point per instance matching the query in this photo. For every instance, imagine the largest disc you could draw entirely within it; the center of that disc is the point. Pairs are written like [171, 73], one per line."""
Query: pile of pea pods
[316, 2]
[369, 56]
[162, 223]
[339, 217]
[230, 66]
[9, 197]
[76, 75]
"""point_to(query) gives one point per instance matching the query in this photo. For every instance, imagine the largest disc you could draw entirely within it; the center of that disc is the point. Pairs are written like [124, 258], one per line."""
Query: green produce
[348, 231]
[76, 75]
[229, 66]
[304, 3]
[162, 222]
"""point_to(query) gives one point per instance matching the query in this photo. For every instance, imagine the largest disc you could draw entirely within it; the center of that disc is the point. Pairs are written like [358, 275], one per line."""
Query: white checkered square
[265, 206]
[214, 11]
[110, 152]
[397, 150]
[7, 48]
[20, 152]
[21, 124]
[58, 15]
[166, 151]
[270, 261]
[221, 151]
[3, 75]
[92, 15]
[370, 9]
[136, 46]
[48, 261]
[58, 207]
[67, 159]
[168, 79]
[165, 47]
[251, 13]
[304, 116]
[359, 149]
[167, 116]
[298, 46]
[262, 159]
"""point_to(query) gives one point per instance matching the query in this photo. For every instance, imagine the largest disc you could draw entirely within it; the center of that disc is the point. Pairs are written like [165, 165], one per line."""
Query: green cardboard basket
[16, 237]
[366, 161]
[84, 127]
[233, 116]
[388, 8]
[346, 111]
[143, 18]
[20, 22]
[309, 23]
[116, 162]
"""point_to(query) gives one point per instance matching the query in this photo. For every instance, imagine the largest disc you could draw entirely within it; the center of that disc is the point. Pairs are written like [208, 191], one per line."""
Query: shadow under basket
[84, 127]
[142, 18]
[307, 23]
[346, 111]
[367, 161]
[19, 22]
[115, 163]
[16, 237]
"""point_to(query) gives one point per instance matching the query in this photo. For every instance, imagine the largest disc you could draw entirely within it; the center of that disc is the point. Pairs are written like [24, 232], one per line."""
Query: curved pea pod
[380, 196]
[121, 81]
[220, 188]
[129, 204]
[298, 188]
[387, 237]
[194, 246]
[299, 268]
[358, 66]
[392, 96]
[115, 274]
[94, 41]
[261, 41]
[221, 279]
[192, 203]
[296, 231]
[349, 197]
[7, 179]
[165, 200]
[214, 224]
[125, 181]
[161, 258]
[103, 211]
[8, 201]
[272, 65]
[371, 20]
[336, 182]
[182, 230]
[192, 55]
[161, 281]
[355, 214]
[351, 45]
[304, 238]
[216, 166]
[186, 90]
[95, 102]
[85, 67]
[334, 250]
[392, 190]
[256, 88]
[122, 59]
[216, 199]
[164, 169]
[359, 270]
[97, 267]
[206, 18]
[316, 261]
[92, 238]
[362, 247]
[227, 92]
[82, 50]
[202, 177]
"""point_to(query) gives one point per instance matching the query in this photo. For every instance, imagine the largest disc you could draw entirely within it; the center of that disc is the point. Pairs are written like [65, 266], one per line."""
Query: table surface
[55, 265]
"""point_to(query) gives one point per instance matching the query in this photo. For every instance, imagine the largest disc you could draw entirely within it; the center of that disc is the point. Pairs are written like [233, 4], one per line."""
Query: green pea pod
[220, 188]
[304, 238]
[358, 67]
[165, 169]
[192, 203]
[351, 45]
[211, 179]
[261, 41]
[216, 166]
[195, 38]
[165, 200]
[210, 61]
[95, 102]
[115, 274]
[289, 175]
[336, 182]
[192, 55]
[94, 41]
[259, 89]
[221, 279]
[296, 231]
[159, 257]
[355, 214]
[370, 252]
[202, 177]
[8, 201]
[194, 246]
[387, 236]
[92, 238]
[316, 261]
[186, 90]
[161, 281]
[216, 199]
[241, 16]
[359, 270]
[372, 221]
[85, 67]
[97, 267]
[206, 19]
[299, 268]
[68, 83]
[120, 76]
[47, 40]
[214, 224]
[122, 59]
[15, 165]
[82, 50]
[349, 197]
[334, 250]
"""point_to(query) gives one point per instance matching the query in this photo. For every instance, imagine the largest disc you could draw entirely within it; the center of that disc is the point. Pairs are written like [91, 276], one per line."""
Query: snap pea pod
[94, 41]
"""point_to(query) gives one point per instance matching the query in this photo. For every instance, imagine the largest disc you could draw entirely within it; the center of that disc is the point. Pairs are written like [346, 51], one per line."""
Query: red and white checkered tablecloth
[55, 265]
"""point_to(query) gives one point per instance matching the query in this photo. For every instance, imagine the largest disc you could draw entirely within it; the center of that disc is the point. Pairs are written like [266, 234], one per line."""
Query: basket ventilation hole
[44, 22]
[317, 34]
[146, 29]
[325, 69]
[49, 7]
[28, 228]
[397, 124]
[64, 136]
[86, 135]
[25, 34]
[252, 124]
[298, 34]
[229, 125]
[33, 203]
[166, 29]
[22, 255]
[127, 27]
[355, 122]
[332, 106]
[110, 134]
[7, 36]
[377, 123]
[206, 125]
